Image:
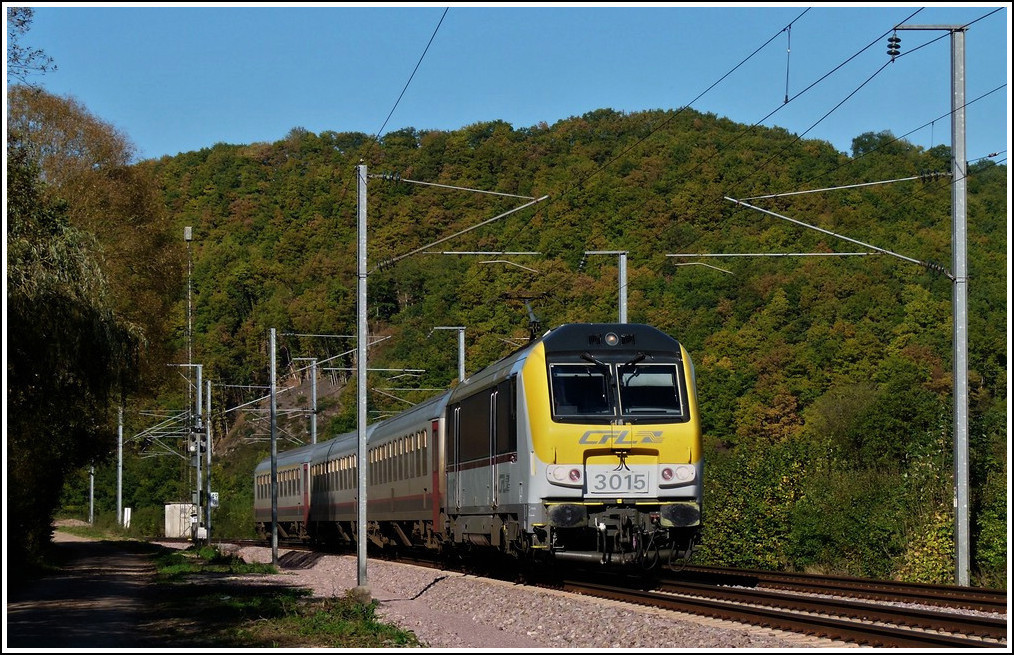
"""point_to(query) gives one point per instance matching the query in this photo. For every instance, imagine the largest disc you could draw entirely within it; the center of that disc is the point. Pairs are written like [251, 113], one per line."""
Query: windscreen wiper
[635, 360]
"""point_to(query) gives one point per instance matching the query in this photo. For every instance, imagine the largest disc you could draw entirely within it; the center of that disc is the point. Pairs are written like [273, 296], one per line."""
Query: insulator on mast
[894, 45]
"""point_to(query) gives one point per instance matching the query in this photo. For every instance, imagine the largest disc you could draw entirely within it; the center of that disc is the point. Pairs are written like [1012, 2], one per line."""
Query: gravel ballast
[446, 609]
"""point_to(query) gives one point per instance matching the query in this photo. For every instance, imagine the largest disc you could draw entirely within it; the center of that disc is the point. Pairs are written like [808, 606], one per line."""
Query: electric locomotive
[584, 445]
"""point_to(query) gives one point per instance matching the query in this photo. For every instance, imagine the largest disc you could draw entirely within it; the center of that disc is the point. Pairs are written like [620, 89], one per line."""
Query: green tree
[89, 162]
[67, 353]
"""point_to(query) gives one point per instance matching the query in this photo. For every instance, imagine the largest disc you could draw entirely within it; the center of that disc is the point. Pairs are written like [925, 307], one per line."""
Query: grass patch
[336, 622]
[218, 600]
[173, 564]
[87, 531]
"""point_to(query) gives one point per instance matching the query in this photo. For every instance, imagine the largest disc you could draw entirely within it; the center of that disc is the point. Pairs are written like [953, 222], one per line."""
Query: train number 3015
[627, 482]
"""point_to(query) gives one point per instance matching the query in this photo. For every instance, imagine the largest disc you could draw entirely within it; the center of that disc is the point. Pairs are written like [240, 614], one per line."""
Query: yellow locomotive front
[615, 439]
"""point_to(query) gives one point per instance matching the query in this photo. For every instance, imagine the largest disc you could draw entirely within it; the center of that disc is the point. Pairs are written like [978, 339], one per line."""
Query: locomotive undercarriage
[641, 536]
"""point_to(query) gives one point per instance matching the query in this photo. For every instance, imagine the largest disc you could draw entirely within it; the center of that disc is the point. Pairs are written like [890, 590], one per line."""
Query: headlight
[565, 475]
[672, 475]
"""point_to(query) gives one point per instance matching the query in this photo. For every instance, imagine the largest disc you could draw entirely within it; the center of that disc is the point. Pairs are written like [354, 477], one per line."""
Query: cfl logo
[621, 437]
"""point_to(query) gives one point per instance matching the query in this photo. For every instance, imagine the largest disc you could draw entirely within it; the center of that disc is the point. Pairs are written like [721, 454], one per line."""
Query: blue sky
[177, 78]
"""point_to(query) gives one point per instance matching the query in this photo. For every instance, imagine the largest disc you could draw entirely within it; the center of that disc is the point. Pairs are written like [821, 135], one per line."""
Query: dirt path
[101, 599]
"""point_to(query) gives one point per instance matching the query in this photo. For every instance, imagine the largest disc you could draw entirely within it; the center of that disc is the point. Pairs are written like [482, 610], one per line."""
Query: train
[584, 445]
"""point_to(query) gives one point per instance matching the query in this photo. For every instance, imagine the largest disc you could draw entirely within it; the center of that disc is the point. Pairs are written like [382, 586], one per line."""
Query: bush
[848, 523]
[748, 498]
[991, 545]
[929, 551]
[147, 522]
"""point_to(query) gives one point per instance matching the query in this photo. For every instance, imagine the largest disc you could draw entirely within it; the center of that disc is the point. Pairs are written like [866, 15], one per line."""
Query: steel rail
[978, 598]
[832, 628]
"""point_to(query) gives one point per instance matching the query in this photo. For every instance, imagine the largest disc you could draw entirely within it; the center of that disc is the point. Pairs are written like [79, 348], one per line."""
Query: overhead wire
[926, 188]
[855, 159]
[414, 70]
[376, 137]
[821, 119]
[834, 70]
[896, 139]
[917, 192]
[672, 117]
[811, 86]
[923, 189]
[579, 184]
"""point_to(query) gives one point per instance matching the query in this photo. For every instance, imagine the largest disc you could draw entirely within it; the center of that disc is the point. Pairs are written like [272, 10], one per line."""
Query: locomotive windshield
[581, 390]
[650, 389]
[632, 391]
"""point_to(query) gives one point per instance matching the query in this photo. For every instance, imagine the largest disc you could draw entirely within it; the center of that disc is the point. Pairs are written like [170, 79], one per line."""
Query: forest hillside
[810, 286]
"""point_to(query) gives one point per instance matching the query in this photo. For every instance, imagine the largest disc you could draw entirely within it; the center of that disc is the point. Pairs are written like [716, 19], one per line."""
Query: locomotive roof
[631, 336]
[571, 337]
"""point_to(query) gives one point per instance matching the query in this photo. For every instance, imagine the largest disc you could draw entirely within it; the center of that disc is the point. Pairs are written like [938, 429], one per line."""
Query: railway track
[986, 627]
[863, 611]
[974, 598]
[844, 620]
